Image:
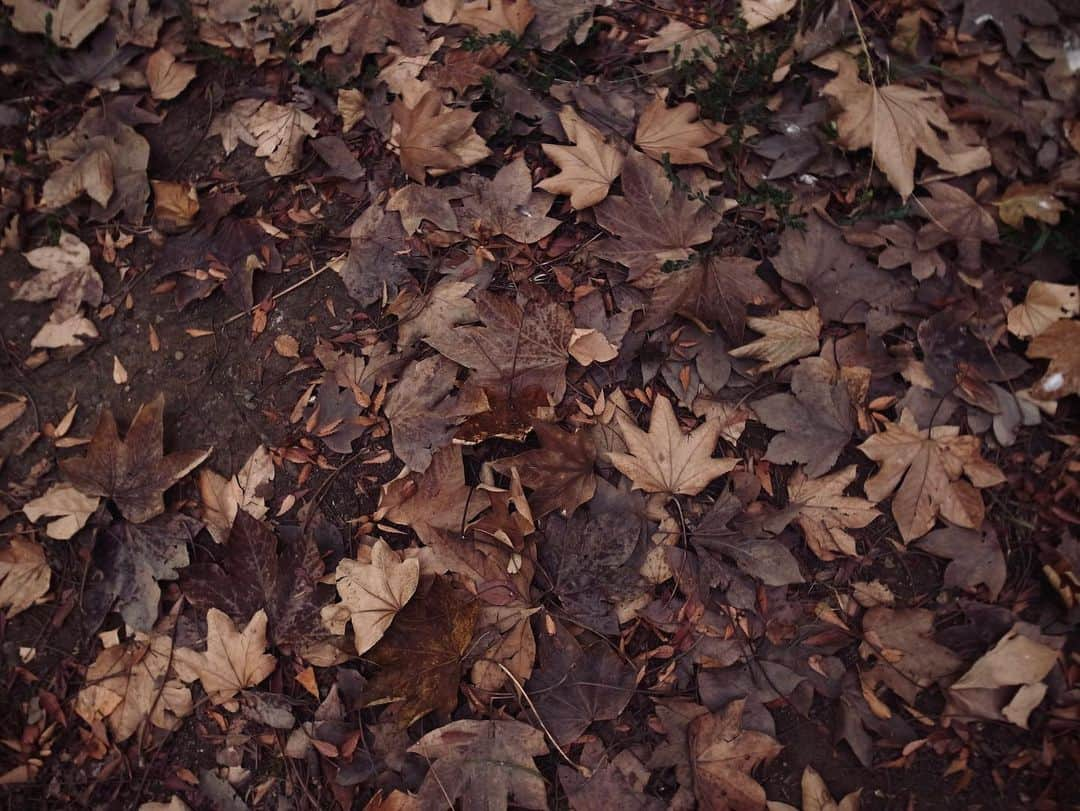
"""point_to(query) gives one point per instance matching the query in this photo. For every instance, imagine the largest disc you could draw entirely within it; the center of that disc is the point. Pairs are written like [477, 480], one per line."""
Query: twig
[277, 295]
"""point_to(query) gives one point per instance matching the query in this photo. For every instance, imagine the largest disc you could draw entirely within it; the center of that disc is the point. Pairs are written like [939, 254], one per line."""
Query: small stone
[178, 354]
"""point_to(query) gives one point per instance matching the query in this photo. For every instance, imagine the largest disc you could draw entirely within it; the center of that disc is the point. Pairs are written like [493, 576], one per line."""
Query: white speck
[1072, 59]
[792, 129]
[983, 18]
[808, 180]
[1043, 204]
[1054, 382]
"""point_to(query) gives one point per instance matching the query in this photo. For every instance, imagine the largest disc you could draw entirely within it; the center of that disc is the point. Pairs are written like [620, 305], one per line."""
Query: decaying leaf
[825, 514]
[507, 205]
[588, 168]
[722, 756]
[234, 660]
[560, 472]
[667, 460]
[134, 472]
[69, 508]
[786, 336]
[675, 133]
[1060, 342]
[24, 575]
[65, 274]
[759, 13]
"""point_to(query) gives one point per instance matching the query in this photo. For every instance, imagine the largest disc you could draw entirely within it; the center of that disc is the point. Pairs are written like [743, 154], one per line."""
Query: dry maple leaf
[421, 656]
[786, 336]
[67, 23]
[588, 168]
[133, 472]
[421, 410]
[416, 203]
[64, 274]
[73, 508]
[433, 138]
[167, 77]
[492, 17]
[234, 660]
[975, 558]
[717, 288]
[365, 27]
[1008, 18]
[896, 122]
[129, 685]
[351, 106]
[437, 499]
[446, 306]
[561, 473]
[825, 514]
[955, 217]
[254, 575]
[666, 460]
[817, 797]
[507, 205]
[925, 469]
[653, 221]
[280, 131]
[24, 575]
[516, 349]
[759, 13]
[904, 639]
[222, 498]
[722, 755]
[1032, 202]
[1060, 342]
[372, 594]
[483, 764]
[675, 132]
[175, 206]
[1045, 304]
[815, 419]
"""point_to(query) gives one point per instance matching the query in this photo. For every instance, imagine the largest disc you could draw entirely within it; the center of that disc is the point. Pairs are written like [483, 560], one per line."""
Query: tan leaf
[67, 23]
[421, 410]
[167, 77]
[232, 125]
[351, 106]
[561, 473]
[65, 274]
[280, 130]
[722, 756]
[685, 43]
[896, 122]
[588, 168]
[416, 203]
[591, 346]
[374, 592]
[91, 173]
[507, 204]
[11, 412]
[666, 460]
[817, 797]
[402, 72]
[759, 13]
[119, 373]
[1060, 342]
[175, 205]
[924, 468]
[1044, 304]
[233, 661]
[492, 17]
[788, 335]
[437, 313]
[1022, 201]
[174, 804]
[73, 508]
[128, 685]
[24, 575]
[675, 132]
[222, 498]
[69, 332]
[431, 138]
[1014, 660]
[825, 513]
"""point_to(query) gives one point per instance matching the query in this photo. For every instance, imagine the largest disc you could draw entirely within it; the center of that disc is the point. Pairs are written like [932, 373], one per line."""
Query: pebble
[178, 354]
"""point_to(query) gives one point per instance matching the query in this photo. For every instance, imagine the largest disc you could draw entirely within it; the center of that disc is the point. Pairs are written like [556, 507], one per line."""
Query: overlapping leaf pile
[675, 336]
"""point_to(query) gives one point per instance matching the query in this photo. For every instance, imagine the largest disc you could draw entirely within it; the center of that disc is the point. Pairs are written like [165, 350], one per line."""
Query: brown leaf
[483, 764]
[507, 205]
[254, 575]
[517, 348]
[374, 268]
[825, 513]
[167, 77]
[24, 575]
[1021, 201]
[351, 106]
[175, 205]
[653, 222]
[588, 168]
[416, 203]
[65, 274]
[561, 473]
[1008, 18]
[434, 139]
[913, 660]
[815, 420]
[73, 508]
[925, 469]
[956, 217]
[67, 23]
[234, 660]
[133, 472]
[975, 558]
[786, 336]
[817, 797]
[222, 498]
[365, 27]
[1060, 342]
[420, 410]
[759, 13]
[722, 756]
[421, 656]
[1045, 304]
[437, 499]
[675, 132]
[666, 460]
[896, 122]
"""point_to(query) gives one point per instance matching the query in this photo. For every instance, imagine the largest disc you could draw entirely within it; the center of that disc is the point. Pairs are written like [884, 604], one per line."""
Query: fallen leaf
[246, 491]
[815, 420]
[351, 106]
[759, 13]
[437, 499]
[67, 24]
[373, 593]
[280, 131]
[1007, 17]
[975, 558]
[825, 514]
[954, 216]
[1022, 201]
[666, 460]
[416, 203]
[517, 348]
[65, 274]
[896, 122]
[912, 660]
[507, 205]
[817, 797]
[786, 336]
[175, 205]
[484, 764]
[129, 686]
[24, 575]
[675, 133]
[1060, 342]
[69, 332]
[588, 168]
[73, 508]
[561, 472]
[133, 472]
[363, 28]
[167, 77]
[420, 410]
[1014, 660]
[374, 268]
[1045, 304]
[432, 138]
[254, 575]
[924, 468]
[234, 660]
[722, 756]
[421, 656]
